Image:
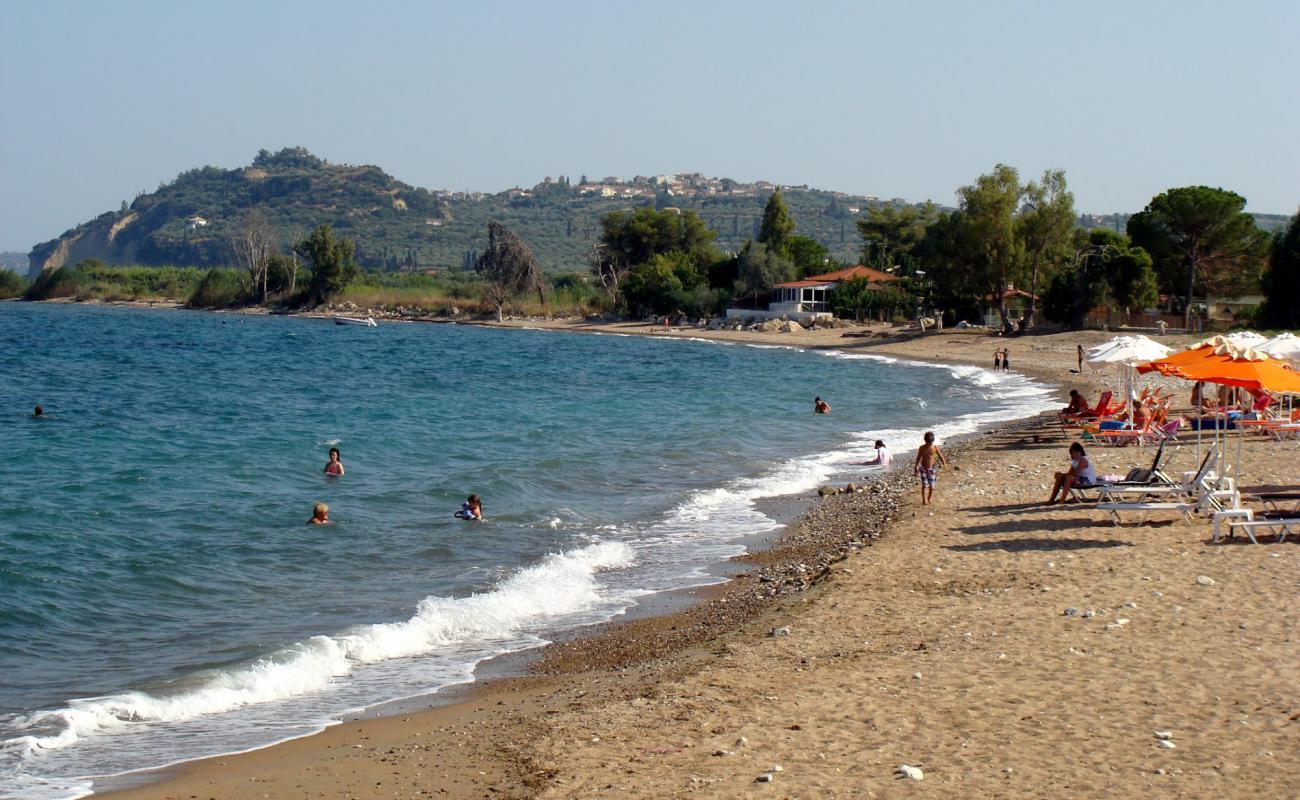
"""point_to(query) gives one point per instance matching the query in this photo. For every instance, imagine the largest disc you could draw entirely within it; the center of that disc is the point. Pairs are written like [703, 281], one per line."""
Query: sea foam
[562, 583]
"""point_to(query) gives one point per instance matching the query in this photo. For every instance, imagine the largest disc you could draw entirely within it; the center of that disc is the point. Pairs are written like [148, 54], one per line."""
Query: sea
[162, 599]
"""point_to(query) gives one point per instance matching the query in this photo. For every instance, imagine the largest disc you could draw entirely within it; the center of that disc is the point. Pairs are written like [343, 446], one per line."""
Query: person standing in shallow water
[334, 466]
[1006, 359]
[820, 406]
[997, 359]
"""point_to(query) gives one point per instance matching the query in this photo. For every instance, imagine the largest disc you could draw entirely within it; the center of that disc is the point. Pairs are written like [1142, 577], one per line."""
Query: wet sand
[875, 633]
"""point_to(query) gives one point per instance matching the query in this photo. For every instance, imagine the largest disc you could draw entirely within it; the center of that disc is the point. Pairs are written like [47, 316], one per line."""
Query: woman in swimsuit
[334, 467]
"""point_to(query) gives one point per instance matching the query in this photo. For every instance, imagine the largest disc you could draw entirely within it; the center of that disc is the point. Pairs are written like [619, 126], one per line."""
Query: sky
[101, 101]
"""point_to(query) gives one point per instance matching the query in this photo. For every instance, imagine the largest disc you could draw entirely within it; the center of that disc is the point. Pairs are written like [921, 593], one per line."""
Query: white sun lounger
[1192, 486]
[1244, 519]
[1115, 509]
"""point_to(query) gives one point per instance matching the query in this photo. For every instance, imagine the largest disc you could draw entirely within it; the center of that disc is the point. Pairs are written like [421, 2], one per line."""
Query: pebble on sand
[1166, 744]
[1204, 580]
[784, 630]
[906, 771]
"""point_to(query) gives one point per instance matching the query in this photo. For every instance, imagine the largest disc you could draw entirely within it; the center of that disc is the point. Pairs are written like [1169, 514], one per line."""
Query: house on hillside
[195, 222]
[810, 298]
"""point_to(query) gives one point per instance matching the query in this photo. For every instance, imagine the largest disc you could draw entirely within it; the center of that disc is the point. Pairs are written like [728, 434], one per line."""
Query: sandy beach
[877, 633]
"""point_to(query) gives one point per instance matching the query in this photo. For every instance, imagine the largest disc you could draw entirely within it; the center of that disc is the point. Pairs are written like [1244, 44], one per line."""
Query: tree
[853, 298]
[988, 232]
[808, 255]
[1130, 278]
[332, 264]
[758, 269]
[630, 239]
[654, 288]
[777, 226]
[508, 267]
[1200, 237]
[251, 244]
[892, 233]
[1044, 226]
[1282, 281]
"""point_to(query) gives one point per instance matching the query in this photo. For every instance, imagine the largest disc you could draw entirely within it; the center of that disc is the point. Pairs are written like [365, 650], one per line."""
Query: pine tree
[777, 226]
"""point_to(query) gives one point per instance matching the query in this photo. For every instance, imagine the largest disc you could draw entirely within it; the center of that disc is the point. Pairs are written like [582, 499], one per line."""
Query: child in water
[820, 406]
[334, 466]
[320, 514]
[472, 508]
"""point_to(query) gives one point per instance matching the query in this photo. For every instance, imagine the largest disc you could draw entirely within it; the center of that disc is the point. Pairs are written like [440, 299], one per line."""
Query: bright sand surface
[942, 644]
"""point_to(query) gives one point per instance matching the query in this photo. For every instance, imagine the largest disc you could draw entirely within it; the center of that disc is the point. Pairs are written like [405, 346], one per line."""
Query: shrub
[11, 284]
[61, 282]
[220, 288]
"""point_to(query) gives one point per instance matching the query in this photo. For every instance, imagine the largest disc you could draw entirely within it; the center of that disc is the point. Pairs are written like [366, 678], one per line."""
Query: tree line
[1187, 243]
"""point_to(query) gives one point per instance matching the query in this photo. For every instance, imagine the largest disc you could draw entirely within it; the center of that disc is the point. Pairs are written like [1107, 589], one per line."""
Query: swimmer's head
[320, 511]
[39, 411]
[334, 452]
[474, 500]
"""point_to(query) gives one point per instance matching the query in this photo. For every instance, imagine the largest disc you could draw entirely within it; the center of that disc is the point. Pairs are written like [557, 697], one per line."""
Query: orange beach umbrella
[1274, 377]
[1215, 362]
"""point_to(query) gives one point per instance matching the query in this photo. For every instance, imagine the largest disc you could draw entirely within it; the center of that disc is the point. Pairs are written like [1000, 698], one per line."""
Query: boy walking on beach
[928, 458]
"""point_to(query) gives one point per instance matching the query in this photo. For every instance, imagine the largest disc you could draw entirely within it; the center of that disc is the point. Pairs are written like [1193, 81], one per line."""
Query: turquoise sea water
[162, 599]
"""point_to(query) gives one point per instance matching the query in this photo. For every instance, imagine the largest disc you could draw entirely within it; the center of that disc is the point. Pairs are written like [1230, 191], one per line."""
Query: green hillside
[188, 222]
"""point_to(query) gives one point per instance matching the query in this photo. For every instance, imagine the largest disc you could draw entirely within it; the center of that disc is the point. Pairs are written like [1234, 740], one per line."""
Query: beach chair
[1279, 516]
[1244, 520]
[1097, 412]
[1136, 477]
[1195, 493]
[1118, 437]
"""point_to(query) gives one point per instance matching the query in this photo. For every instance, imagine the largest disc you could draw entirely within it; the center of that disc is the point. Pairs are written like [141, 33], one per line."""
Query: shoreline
[776, 560]
[497, 738]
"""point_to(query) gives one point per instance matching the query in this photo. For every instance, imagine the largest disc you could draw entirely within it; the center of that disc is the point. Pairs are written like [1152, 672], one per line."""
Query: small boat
[368, 322]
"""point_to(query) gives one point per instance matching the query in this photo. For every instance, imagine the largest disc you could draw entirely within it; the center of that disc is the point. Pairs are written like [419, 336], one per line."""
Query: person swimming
[472, 508]
[39, 412]
[334, 466]
[820, 406]
[320, 514]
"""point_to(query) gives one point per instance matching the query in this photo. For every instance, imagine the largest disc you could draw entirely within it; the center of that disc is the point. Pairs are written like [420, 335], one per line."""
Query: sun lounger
[1136, 477]
[1245, 520]
[1185, 509]
[1199, 491]
[1194, 485]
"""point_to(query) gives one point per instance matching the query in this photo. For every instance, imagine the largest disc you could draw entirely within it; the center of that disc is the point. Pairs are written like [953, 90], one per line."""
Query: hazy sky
[100, 101]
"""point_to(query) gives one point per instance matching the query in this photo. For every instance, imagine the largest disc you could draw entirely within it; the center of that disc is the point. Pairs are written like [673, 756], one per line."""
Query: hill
[398, 226]
[13, 261]
[188, 221]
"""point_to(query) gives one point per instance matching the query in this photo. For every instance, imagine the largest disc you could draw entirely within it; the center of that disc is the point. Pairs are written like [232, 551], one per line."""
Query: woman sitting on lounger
[1081, 474]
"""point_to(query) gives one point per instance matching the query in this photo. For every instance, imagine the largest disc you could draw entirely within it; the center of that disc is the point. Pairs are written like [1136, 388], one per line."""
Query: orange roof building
[811, 294]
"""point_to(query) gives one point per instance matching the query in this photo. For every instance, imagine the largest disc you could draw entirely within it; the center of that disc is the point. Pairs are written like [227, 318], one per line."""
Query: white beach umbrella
[1248, 339]
[1126, 352]
[1285, 346]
